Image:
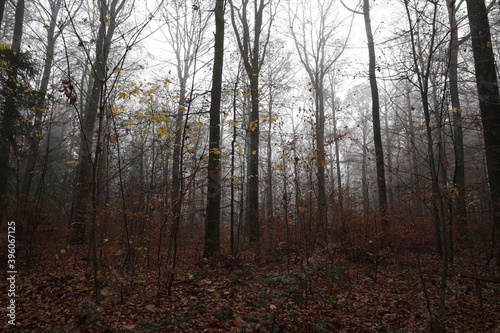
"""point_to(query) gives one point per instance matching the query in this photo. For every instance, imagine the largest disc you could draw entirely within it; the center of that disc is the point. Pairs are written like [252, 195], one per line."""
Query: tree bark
[10, 112]
[83, 181]
[377, 135]
[42, 92]
[2, 10]
[212, 221]
[253, 55]
[489, 103]
[458, 141]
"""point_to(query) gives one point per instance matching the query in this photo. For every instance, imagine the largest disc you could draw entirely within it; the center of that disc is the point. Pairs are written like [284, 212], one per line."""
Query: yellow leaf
[279, 167]
[113, 110]
[99, 275]
[254, 152]
[105, 19]
[45, 26]
[273, 307]
[162, 131]
[117, 70]
[129, 327]
[151, 307]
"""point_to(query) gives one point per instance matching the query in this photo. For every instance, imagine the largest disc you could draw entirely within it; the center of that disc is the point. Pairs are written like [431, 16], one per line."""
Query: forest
[250, 166]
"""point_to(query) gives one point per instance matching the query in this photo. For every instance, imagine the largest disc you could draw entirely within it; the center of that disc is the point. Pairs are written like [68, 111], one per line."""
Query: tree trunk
[252, 192]
[18, 26]
[212, 221]
[83, 182]
[458, 141]
[269, 188]
[489, 103]
[2, 9]
[42, 92]
[377, 135]
[364, 173]
[253, 54]
[10, 111]
[322, 226]
[413, 150]
[336, 147]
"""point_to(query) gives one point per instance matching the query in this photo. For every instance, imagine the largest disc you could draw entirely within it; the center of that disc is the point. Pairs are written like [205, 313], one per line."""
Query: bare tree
[94, 106]
[423, 56]
[458, 140]
[253, 52]
[55, 6]
[318, 45]
[377, 133]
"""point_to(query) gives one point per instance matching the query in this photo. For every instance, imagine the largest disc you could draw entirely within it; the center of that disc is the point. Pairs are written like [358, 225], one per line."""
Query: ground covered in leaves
[336, 290]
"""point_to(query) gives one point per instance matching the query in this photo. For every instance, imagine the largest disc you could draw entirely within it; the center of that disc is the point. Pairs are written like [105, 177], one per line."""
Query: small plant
[297, 292]
[85, 316]
[195, 307]
[324, 326]
[225, 313]
[336, 273]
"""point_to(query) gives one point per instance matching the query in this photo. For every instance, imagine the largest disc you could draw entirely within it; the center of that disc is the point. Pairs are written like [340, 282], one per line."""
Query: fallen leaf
[238, 321]
[129, 327]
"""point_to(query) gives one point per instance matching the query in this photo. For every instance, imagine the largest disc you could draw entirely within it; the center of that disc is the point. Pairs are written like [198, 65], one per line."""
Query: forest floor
[339, 290]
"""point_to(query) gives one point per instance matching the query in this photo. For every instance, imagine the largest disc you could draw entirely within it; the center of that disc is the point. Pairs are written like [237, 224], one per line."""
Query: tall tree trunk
[9, 119]
[212, 221]
[377, 135]
[2, 10]
[390, 190]
[413, 149]
[253, 54]
[489, 103]
[18, 26]
[337, 148]
[83, 190]
[458, 141]
[252, 215]
[322, 224]
[423, 73]
[364, 173]
[42, 92]
[269, 188]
